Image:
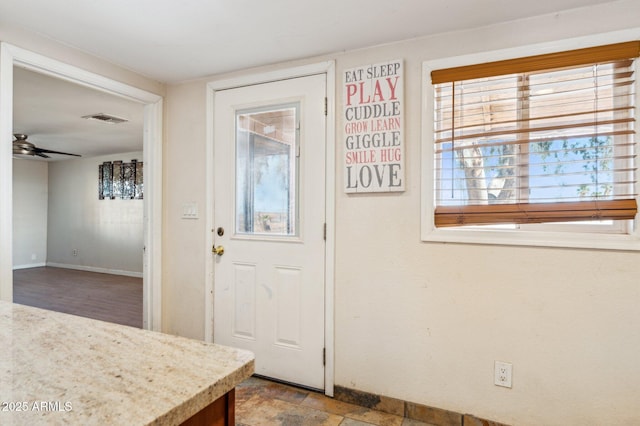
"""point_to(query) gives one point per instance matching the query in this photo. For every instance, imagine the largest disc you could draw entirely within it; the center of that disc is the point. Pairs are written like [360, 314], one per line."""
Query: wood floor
[106, 297]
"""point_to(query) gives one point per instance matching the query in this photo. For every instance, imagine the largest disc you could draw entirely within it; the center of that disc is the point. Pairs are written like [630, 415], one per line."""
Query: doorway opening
[62, 218]
[151, 105]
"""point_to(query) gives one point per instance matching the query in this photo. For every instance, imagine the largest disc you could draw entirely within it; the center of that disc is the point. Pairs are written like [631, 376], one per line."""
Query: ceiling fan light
[22, 147]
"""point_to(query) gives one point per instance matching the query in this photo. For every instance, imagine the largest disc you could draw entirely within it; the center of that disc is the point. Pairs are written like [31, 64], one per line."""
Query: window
[267, 171]
[546, 139]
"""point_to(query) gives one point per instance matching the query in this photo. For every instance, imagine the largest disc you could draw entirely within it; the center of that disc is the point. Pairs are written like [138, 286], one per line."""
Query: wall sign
[373, 128]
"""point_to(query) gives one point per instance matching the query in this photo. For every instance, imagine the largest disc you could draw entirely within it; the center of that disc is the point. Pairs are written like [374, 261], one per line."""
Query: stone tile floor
[261, 402]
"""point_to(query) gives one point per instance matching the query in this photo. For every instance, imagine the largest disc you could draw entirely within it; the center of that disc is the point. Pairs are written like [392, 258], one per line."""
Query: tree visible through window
[538, 139]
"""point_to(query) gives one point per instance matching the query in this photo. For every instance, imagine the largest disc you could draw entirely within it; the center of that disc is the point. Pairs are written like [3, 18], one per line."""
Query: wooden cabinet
[220, 412]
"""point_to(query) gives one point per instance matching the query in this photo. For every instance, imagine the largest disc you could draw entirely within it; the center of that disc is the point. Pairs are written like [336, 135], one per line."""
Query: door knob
[217, 250]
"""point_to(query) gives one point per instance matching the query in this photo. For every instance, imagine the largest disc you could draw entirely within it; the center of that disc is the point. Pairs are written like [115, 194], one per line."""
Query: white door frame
[11, 56]
[327, 68]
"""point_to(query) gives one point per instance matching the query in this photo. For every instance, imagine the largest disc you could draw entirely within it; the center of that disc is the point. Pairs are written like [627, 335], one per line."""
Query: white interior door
[269, 208]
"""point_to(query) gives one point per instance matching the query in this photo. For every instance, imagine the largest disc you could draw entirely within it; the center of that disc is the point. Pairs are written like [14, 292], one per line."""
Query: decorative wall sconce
[120, 180]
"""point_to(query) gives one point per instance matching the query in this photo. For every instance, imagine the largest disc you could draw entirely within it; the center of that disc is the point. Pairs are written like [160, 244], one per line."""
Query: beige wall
[183, 258]
[424, 322]
[46, 47]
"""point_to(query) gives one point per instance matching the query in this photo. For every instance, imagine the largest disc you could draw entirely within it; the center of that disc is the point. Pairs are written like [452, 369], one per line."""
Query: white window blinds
[548, 138]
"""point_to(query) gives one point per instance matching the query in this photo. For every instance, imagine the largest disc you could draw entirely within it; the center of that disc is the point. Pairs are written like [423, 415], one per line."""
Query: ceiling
[49, 110]
[177, 40]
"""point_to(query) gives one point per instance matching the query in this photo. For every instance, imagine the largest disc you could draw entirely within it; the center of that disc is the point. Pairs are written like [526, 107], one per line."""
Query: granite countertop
[63, 369]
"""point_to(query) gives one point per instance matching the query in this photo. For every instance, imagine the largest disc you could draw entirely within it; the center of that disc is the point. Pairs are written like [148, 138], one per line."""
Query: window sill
[624, 242]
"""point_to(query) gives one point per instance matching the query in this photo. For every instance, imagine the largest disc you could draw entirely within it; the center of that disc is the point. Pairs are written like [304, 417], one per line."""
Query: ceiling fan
[23, 147]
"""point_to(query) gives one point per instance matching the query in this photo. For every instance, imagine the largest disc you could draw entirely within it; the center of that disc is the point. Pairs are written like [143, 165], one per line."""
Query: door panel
[288, 288]
[245, 301]
[269, 172]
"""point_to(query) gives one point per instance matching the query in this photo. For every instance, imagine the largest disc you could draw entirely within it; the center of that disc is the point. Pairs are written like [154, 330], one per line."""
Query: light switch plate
[190, 211]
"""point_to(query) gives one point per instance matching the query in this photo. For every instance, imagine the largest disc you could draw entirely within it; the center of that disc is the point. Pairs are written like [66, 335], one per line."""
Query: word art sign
[373, 128]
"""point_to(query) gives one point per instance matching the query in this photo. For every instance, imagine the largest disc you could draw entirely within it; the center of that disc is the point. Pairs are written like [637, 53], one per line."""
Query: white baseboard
[96, 269]
[31, 265]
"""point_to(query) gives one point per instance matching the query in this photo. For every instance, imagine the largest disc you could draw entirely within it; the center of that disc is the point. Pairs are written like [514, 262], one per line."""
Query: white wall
[107, 234]
[30, 191]
[424, 322]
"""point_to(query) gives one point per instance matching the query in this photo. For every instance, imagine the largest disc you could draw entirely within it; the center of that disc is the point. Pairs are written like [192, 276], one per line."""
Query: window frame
[546, 235]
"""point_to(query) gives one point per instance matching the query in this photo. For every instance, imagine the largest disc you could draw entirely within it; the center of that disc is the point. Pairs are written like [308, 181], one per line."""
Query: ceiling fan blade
[39, 154]
[48, 151]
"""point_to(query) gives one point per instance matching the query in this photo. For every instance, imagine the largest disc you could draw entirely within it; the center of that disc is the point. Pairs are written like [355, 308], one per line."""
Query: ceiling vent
[106, 118]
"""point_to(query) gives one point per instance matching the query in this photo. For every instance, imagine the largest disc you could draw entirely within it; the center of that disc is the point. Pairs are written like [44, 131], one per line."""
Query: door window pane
[267, 170]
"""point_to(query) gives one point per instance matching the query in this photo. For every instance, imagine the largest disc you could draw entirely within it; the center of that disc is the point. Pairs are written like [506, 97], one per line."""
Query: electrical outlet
[503, 374]
[75, 252]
